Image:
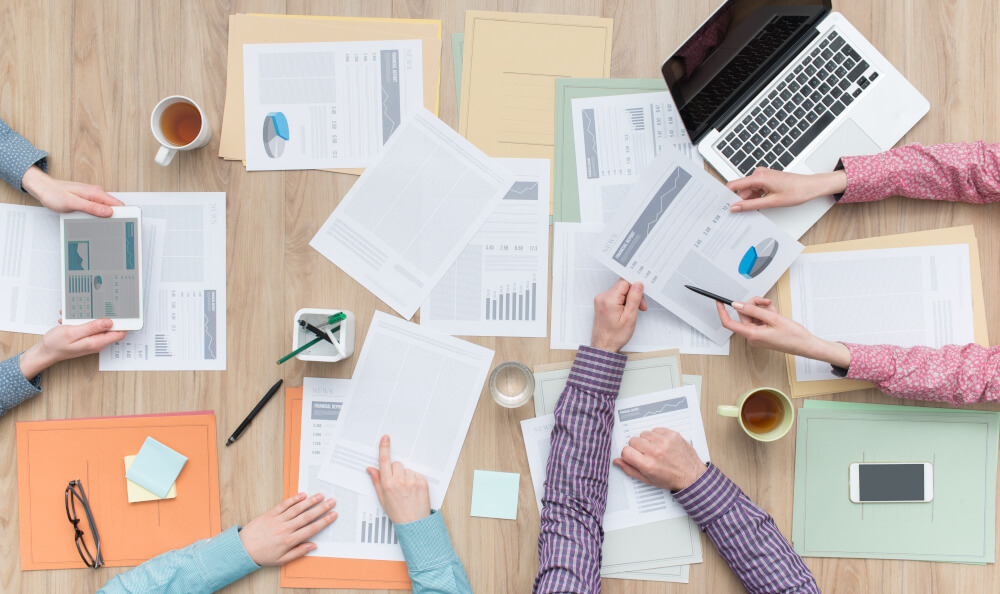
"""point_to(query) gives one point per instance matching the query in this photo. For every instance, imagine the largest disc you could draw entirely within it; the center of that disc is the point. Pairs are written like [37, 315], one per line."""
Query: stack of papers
[657, 551]
[283, 29]
[958, 525]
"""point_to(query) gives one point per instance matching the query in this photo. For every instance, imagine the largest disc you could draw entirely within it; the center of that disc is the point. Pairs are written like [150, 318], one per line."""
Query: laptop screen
[719, 64]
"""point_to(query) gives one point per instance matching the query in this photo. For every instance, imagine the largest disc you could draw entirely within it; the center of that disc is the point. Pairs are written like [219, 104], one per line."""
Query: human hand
[615, 314]
[661, 458]
[403, 493]
[68, 196]
[68, 342]
[279, 536]
[767, 188]
[763, 326]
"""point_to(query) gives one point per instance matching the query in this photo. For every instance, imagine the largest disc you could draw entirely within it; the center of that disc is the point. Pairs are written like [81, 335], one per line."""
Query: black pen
[728, 302]
[319, 333]
[246, 422]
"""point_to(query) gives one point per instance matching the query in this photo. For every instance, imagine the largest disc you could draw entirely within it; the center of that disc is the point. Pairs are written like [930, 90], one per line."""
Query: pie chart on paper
[275, 134]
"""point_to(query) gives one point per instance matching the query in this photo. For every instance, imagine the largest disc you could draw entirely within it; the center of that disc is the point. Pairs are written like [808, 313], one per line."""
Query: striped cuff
[869, 363]
[425, 542]
[224, 559]
[595, 370]
[709, 497]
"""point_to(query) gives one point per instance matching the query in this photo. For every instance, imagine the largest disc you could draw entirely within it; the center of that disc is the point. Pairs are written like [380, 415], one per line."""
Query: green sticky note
[457, 47]
[494, 494]
[958, 525]
[156, 467]
[566, 205]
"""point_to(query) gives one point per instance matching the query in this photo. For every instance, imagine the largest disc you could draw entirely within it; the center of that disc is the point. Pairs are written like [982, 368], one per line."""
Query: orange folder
[328, 572]
[52, 453]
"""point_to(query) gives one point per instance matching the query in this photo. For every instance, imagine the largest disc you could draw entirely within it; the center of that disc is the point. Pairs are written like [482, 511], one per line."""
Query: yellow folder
[950, 236]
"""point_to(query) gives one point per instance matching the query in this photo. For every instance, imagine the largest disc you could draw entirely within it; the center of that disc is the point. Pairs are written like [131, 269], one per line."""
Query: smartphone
[892, 482]
[102, 268]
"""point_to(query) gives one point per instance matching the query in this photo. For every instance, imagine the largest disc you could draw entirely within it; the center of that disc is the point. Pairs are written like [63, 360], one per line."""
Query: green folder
[957, 526]
[457, 47]
[566, 205]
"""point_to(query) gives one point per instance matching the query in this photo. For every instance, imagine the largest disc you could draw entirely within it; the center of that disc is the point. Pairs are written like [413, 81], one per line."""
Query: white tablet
[102, 268]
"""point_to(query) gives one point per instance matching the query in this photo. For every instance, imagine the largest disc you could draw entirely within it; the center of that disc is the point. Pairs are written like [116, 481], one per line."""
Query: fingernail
[106, 323]
[312, 547]
[737, 305]
[734, 208]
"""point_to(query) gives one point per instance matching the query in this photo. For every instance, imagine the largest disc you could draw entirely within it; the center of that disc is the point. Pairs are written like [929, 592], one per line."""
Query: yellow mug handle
[727, 410]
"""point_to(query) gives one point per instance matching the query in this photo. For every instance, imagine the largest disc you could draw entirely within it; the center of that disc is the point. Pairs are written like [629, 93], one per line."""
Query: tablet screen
[102, 276]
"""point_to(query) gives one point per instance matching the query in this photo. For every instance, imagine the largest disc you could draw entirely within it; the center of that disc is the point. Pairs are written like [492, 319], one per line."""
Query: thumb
[376, 477]
[92, 208]
[634, 299]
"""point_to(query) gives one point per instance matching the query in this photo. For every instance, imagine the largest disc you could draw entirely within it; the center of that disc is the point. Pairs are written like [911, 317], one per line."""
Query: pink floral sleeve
[960, 172]
[954, 374]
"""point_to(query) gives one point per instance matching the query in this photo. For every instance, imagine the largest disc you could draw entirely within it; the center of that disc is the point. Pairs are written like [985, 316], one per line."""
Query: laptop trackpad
[848, 141]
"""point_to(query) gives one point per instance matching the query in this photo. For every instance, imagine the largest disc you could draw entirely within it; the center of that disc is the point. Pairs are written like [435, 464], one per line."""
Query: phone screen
[101, 276]
[891, 482]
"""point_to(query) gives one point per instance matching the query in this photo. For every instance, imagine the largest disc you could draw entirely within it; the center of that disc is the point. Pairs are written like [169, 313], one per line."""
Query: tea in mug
[180, 123]
[762, 412]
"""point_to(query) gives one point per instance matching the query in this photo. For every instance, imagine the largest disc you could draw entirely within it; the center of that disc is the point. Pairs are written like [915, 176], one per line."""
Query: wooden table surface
[79, 80]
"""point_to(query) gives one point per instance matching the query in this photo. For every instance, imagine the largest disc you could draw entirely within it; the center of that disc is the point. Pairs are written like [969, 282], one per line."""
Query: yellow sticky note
[137, 493]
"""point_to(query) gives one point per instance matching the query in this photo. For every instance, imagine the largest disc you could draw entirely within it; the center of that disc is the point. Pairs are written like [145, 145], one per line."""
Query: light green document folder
[457, 47]
[566, 207]
[957, 526]
[649, 551]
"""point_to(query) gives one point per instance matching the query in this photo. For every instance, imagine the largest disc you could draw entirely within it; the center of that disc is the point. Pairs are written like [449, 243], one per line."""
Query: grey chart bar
[534, 295]
[488, 309]
[520, 307]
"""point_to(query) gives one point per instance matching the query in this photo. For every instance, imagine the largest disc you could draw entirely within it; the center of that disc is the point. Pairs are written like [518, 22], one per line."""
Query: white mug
[168, 149]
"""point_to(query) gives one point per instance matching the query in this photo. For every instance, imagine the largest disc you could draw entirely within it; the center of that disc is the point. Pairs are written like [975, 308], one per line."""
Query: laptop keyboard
[742, 67]
[799, 108]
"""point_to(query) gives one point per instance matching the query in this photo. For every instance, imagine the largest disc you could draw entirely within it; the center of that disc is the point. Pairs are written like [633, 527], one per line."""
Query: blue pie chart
[275, 134]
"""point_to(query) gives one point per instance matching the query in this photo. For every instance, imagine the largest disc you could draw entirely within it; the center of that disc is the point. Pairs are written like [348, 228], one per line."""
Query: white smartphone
[892, 482]
[102, 268]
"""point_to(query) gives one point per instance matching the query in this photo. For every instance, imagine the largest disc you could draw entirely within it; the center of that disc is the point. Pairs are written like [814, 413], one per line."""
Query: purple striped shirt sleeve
[745, 535]
[576, 484]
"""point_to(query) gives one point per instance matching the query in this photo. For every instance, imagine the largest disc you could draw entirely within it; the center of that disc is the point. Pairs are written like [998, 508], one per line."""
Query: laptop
[788, 85]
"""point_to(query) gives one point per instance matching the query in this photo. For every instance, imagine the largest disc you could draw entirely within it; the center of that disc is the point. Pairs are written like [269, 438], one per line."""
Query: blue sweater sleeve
[17, 155]
[14, 387]
[205, 566]
[430, 559]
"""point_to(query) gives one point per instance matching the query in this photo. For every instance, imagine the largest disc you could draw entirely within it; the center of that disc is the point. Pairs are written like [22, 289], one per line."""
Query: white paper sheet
[675, 228]
[327, 105]
[418, 386]
[630, 502]
[185, 323]
[499, 284]
[29, 269]
[616, 137]
[577, 277]
[409, 216]
[362, 530]
[901, 296]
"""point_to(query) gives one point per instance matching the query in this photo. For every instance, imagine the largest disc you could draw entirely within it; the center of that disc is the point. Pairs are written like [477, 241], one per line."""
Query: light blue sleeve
[14, 387]
[17, 155]
[205, 566]
[430, 559]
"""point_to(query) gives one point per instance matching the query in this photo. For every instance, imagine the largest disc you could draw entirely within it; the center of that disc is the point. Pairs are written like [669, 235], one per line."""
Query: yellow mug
[765, 414]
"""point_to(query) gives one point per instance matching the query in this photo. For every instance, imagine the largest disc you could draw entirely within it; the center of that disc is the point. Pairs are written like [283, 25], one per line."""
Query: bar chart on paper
[517, 301]
[376, 528]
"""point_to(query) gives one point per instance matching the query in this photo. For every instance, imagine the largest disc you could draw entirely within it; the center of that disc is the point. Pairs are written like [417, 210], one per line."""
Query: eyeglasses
[74, 493]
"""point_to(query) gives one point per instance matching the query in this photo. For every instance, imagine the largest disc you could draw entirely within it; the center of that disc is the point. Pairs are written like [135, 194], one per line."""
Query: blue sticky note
[156, 467]
[494, 494]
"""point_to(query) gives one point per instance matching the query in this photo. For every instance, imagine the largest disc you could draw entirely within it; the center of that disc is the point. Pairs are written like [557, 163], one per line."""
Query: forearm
[960, 172]
[16, 386]
[954, 374]
[745, 536]
[205, 566]
[576, 487]
[430, 558]
[17, 156]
